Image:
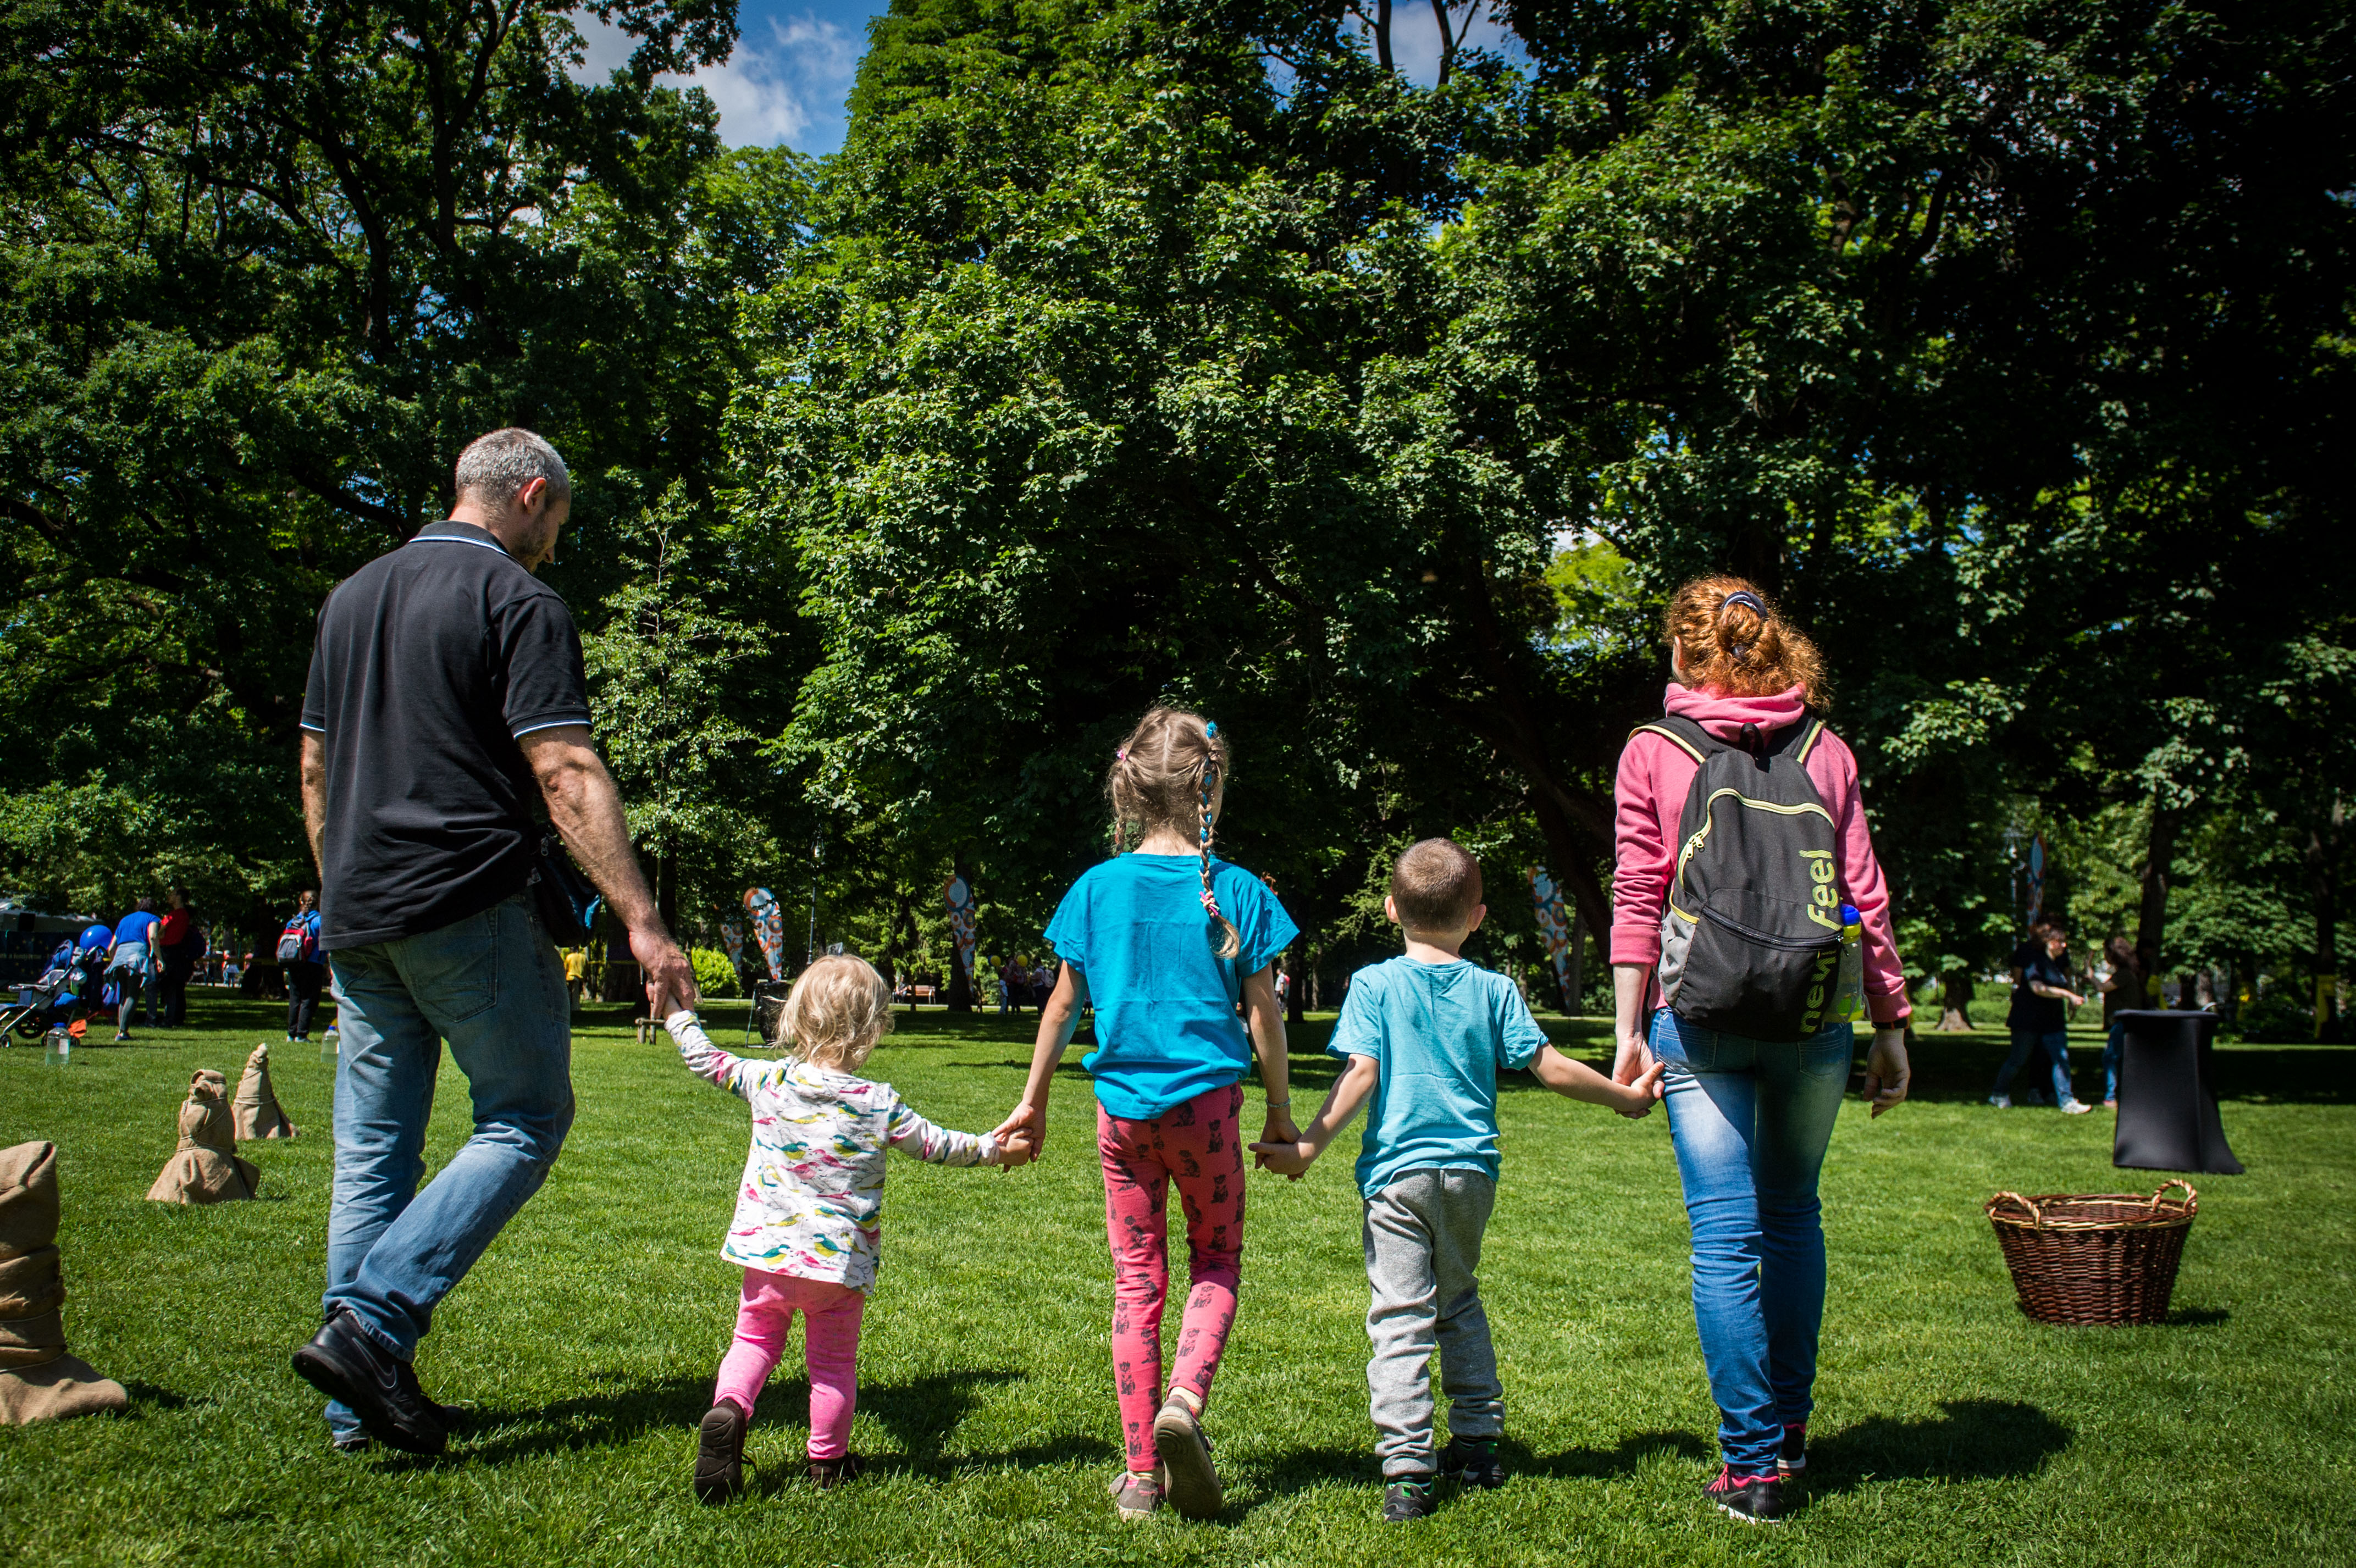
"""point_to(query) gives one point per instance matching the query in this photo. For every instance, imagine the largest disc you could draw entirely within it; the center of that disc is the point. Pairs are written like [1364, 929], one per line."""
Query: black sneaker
[1408, 1498]
[720, 1453]
[1473, 1462]
[1753, 1500]
[828, 1474]
[342, 1362]
[1795, 1457]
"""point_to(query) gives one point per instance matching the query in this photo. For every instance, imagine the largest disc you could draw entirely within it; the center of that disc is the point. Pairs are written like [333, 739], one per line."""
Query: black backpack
[1753, 938]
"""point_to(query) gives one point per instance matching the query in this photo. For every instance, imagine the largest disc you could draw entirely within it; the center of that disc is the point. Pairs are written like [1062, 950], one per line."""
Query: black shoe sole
[719, 1473]
[315, 1367]
[1191, 1485]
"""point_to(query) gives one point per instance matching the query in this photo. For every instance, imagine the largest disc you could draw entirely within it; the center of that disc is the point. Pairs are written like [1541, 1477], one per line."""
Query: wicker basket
[2107, 1258]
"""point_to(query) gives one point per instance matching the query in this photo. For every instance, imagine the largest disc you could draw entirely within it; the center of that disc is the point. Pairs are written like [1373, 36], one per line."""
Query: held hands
[1015, 1148]
[1636, 1099]
[671, 977]
[1025, 1127]
[1281, 1148]
[1634, 1064]
[1887, 1073]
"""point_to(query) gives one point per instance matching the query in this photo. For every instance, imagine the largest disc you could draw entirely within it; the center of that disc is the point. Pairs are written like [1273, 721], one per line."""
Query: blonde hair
[835, 1013]
[1734, 640]
[1171, 773]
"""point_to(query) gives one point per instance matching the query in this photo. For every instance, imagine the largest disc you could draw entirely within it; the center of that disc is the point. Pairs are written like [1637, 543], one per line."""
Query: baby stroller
[65, 992]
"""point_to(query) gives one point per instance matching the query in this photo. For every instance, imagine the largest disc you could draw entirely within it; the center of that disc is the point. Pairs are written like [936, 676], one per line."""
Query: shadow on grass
[1973, 1439]
[2197, 1317]
[920, 1413]
[1303, 1469]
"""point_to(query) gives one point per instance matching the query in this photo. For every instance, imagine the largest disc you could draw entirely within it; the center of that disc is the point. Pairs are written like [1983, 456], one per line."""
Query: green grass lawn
[1949, 1428]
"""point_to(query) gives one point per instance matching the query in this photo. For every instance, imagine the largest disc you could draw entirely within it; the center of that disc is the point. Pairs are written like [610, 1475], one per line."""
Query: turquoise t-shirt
[1438, 1032]
[1165, 1000]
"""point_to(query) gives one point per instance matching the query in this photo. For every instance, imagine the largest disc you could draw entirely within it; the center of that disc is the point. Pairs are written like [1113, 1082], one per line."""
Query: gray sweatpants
[1423, 1244]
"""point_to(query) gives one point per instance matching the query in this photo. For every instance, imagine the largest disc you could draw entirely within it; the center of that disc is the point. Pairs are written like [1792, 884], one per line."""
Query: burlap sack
[255, 1110]
[28, 1199]
[205, 1168]
[39, 1381]
[55, 1390]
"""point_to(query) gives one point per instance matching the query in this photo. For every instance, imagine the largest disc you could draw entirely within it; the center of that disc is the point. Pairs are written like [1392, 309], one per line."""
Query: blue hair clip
[1210, 729]
[1743, 596]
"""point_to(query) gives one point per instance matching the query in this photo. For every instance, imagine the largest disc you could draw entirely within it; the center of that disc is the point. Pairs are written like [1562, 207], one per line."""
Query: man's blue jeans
[2056, 1045]
[1749, 1120]
[2111, 1047]
[492, 986]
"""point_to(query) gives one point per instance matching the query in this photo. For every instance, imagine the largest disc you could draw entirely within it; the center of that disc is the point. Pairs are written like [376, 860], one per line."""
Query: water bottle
[329, 1044]
[57, 1049]
[1849, 1003]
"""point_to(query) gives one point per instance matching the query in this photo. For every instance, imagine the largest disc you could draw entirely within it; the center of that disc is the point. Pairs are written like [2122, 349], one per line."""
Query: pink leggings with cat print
[1197, 1145]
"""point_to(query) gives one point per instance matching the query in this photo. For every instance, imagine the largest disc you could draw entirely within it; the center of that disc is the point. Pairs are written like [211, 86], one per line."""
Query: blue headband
[1744, 597]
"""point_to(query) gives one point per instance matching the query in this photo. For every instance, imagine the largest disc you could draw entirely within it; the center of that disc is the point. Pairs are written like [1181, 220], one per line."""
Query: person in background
[2040, 985]
[576, 972]
[2121, 983]
[182, 945]
[132, 965]
[306, 973]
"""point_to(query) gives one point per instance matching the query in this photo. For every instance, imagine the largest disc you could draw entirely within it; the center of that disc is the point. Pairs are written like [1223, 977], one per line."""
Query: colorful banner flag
[768, 928]
[1554, 930]
[2037, 878]
[961, 912]
[732, 936]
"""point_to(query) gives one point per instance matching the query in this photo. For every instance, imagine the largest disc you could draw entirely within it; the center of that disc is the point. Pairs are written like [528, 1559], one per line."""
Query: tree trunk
[2158, 868]
[1296, 965]
[1955, 993]
[2323, 892]
[1575, 1003]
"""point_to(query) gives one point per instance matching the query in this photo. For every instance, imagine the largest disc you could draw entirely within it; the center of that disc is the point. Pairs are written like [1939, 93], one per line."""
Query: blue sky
[795, 60]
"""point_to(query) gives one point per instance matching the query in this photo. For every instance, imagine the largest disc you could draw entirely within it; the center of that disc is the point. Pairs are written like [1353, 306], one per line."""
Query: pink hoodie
[1650, 793]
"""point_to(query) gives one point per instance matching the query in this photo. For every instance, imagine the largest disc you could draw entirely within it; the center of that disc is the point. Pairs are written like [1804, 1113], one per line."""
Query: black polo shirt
[430, 661]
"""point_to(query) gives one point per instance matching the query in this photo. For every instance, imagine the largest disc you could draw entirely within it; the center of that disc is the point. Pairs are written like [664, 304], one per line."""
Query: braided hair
[1171, 769]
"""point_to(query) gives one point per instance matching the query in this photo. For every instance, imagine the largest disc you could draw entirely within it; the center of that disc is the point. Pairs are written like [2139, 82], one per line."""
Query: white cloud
[784, 84]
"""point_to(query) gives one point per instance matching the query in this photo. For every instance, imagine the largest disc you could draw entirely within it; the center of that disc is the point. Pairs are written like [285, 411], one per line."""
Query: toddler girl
[806, 1228]
[1166, 940]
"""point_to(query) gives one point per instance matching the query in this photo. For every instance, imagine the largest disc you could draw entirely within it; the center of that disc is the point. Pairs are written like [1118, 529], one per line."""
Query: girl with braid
[1165, 940]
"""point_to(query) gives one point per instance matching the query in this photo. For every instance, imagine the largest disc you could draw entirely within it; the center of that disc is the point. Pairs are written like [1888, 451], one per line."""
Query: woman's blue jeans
[2056, 1045]
[491, 986]
[1749, 1120]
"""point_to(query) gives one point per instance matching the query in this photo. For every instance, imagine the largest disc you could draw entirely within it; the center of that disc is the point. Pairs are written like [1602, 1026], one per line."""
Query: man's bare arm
[587, 810]
[314, 796]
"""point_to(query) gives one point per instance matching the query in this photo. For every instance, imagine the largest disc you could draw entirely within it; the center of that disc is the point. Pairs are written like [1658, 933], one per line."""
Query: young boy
[1424, 1035]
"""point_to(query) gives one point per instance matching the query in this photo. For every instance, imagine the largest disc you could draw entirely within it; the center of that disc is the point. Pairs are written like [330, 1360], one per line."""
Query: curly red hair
[1730, 645]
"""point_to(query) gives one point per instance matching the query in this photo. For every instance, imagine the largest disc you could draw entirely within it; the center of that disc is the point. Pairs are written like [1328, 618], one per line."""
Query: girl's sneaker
[1188, 1478]
[1136, 1494]
[1753, 1500]
[1473, 1462]
[828, 1474]
[1409, 1498]
[720, 1453]
[1795, 1457]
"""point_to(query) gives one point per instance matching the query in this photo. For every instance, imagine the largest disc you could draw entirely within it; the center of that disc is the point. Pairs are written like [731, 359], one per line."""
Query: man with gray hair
[446, 699]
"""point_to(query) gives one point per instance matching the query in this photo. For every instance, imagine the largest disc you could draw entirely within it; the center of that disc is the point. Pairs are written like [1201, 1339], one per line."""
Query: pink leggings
[1196, 1145]
[830, 1314]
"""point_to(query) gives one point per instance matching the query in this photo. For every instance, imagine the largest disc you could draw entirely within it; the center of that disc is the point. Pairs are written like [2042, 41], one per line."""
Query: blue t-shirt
[1165, 1000]
[137, 926]
[1438, 1032]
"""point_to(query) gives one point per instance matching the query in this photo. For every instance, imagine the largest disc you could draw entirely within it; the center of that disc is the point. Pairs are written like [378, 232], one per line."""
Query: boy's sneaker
[1189, 1479]
[2076, 1108]
[1473, 1462]
[1795, 1457]
[828, 1474]
[720, 1453]
[1408, 1498]
[2001, 1101]
[1136, 1494]
[1753, 1500]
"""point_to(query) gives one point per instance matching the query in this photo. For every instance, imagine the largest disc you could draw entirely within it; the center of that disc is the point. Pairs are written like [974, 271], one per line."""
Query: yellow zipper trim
[1810, 743]
[1702, 833]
